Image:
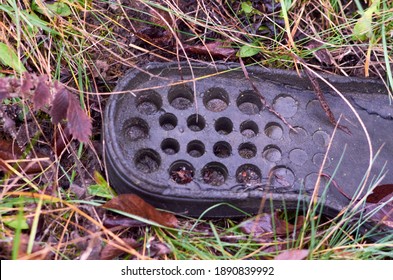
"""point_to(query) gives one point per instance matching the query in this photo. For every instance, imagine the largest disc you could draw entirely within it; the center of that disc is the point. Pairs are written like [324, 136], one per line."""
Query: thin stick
[262, 98]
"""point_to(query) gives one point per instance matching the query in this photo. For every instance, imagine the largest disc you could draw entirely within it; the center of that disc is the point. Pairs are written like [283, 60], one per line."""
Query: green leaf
[363, 28]
[56, 8]
[100, 191]
[18, 223]
[246, 7]
[248, 50]
[9, 58]
[102, 188]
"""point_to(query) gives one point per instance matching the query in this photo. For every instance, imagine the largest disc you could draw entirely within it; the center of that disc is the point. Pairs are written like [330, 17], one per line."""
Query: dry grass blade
[120, 243]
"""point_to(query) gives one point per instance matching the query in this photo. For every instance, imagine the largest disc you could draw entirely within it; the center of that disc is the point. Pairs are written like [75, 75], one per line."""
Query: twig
[323, 102]
[262, 98]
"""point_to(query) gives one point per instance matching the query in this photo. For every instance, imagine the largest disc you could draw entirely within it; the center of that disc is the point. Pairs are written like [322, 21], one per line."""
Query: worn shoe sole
[211, 144]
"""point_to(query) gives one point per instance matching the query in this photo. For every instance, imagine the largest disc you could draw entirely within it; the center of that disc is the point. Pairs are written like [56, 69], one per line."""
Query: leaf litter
[133, 204]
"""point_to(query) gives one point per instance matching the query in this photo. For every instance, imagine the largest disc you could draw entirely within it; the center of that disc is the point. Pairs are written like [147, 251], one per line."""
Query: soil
[213, 177]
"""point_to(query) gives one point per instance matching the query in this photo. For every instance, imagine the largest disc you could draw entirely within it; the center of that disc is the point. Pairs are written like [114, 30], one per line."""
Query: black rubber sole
[187, 151]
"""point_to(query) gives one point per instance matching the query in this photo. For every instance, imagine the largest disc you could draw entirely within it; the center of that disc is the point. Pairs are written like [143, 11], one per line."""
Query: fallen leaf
[381, 214]
[157, 248]
[100, 69]
[4, 90]
[135, 205]
[380, 193]
[262, 225]
[93, 249]
[39, 252]
[116, 221]
[215, 49]
[380, 205]
[296, 254]
[259, 225]
[111, 251]
[320, 52]
[62, 140]
[9, 151]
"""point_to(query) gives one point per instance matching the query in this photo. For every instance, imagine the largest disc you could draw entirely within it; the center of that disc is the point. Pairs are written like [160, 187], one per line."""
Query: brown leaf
[65, 105]
[59, 105]
[320, 52]
[296, 254]
[380, 193]
[215, 49]
[38, 252]
[10, 151]
[380, 205]
[27, 84]
[111, 251]
[4, 91]
[384, 214]
[62, 139]
[42, 93]
[158, 248]
[93, 249]
[116, 221]
[259, 225]
[262, 225]
[78, 122]
[135, 205]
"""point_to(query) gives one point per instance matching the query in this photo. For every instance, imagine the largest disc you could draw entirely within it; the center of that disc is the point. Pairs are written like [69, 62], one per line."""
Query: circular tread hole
[272, 153]
[196, 148]
[181, 97]
[298, 135]
[214, 173]
[247, 150]
[181, 172]
[216, 99]
[248, 174]
[315, 112]
[249, 129]
[136, 129]
[148, 102]
[196, 122]
[222, 149]
[285, 105]
[311, 180]
[274, 131]
[282, 176]
[147, 160]
[223, 126]
[321, 138]
[298, 156]
[317, 159]
[170, 146]
[249, 102]
[168, 121]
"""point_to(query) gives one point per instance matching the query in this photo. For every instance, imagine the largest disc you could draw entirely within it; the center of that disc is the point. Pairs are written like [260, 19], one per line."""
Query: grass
[89, 44]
